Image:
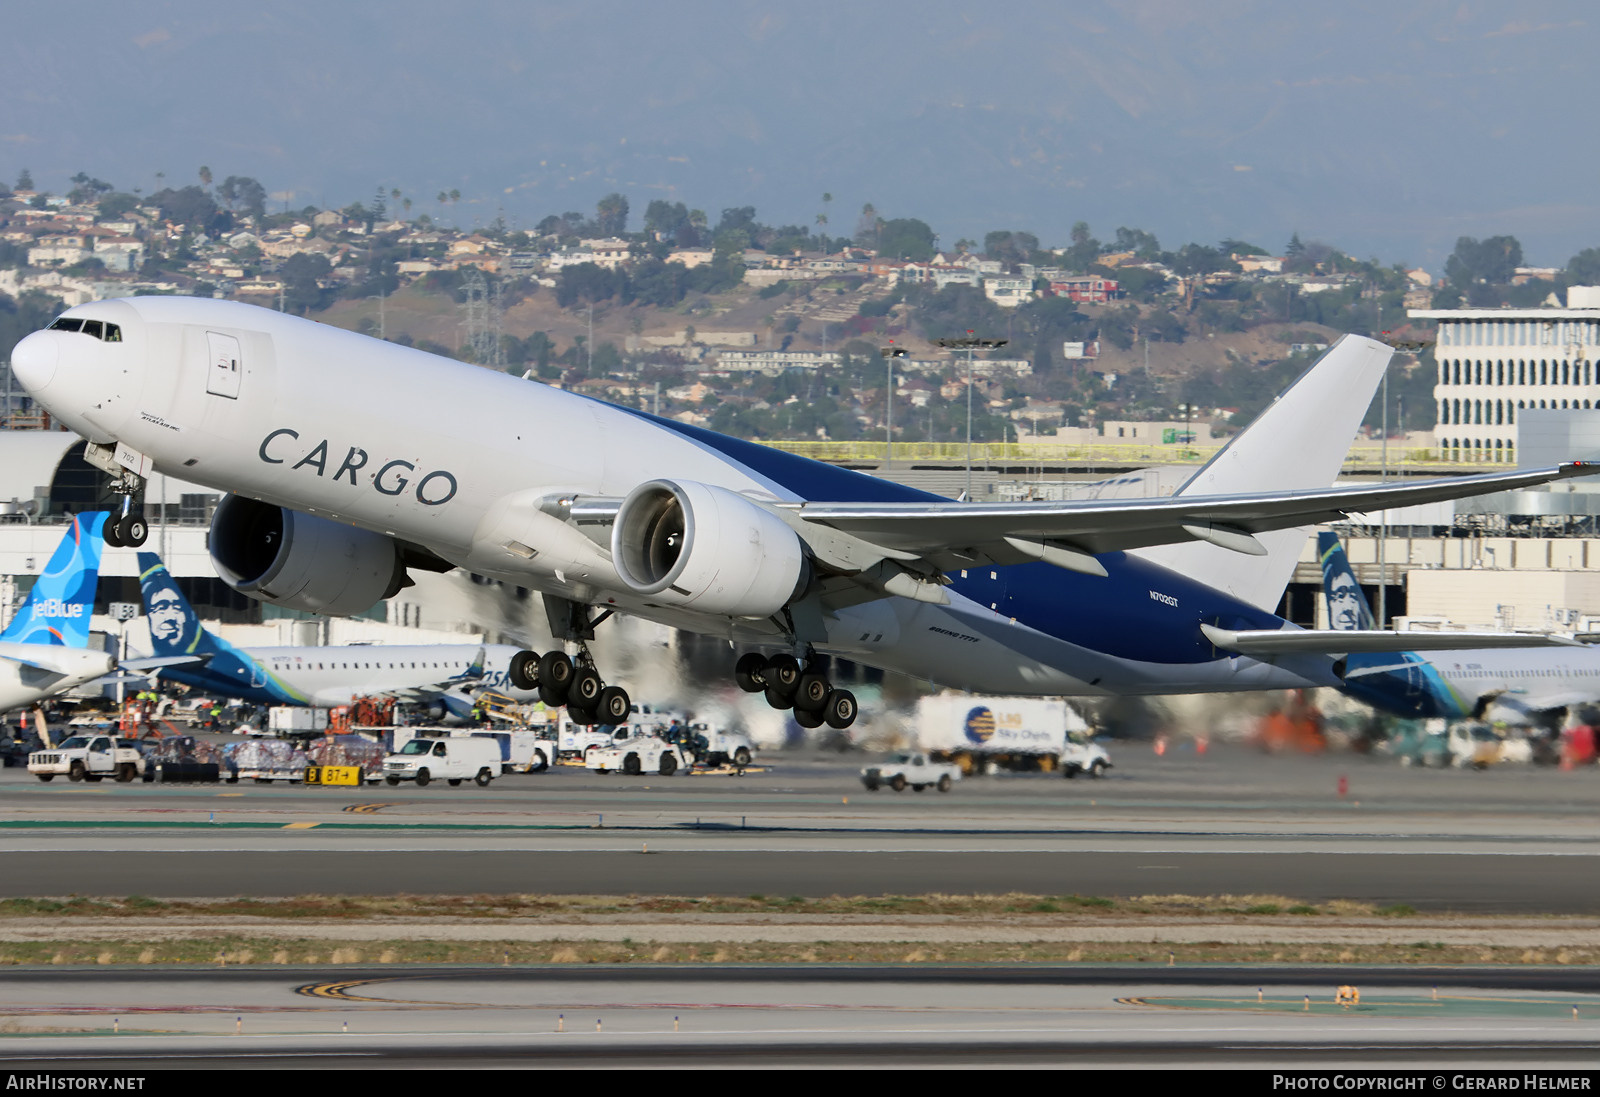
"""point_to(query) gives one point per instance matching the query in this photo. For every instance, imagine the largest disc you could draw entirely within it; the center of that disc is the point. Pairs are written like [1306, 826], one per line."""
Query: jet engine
[302, 562]
[706, 548]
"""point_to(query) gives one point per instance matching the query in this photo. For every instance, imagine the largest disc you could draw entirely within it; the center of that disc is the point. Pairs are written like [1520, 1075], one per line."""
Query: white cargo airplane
[44, 649]
[350, 460]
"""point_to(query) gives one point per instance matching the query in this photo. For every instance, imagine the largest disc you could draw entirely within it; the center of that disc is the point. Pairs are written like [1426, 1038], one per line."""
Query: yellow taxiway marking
[300, 826]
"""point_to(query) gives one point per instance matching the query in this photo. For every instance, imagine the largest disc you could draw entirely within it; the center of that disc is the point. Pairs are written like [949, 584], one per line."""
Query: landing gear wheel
[807, 719]
[584, 692]
[555, 677]
[483, 778]
[613, 706]
[778, 699]
[109, 534]
[524, 670]
[669, 764]
[840, 710]
[783, 674]
[811, 694]
[585, 717]
[750, 672]
[133, 530]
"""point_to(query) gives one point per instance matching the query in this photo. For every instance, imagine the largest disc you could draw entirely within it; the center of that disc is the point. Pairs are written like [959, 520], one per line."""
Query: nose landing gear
[806, 690]
[128, 529]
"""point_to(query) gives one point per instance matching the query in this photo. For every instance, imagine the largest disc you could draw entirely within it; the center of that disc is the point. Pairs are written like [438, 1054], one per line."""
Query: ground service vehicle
[88, 758]
[640, 754]
[1083, 755]
[521, 751]
[455, 759]
[984, 734]
[911, 768]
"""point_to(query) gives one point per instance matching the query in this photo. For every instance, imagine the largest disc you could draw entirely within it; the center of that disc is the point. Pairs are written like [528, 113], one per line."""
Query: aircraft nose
[33, 361]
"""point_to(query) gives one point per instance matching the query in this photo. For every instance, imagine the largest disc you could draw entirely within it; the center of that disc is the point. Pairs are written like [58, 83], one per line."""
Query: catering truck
[985, 734]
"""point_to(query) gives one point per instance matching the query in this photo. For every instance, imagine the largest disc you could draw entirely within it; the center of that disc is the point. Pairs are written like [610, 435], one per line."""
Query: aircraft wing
[156, 662]
[955, 534]
[1259, 642]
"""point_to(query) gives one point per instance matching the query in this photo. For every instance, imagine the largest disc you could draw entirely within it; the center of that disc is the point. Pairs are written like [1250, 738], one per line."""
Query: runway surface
[664, 1017]
[1229, 822]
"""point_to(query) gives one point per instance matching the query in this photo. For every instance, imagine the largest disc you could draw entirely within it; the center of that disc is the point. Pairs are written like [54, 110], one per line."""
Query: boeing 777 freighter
[351, 461]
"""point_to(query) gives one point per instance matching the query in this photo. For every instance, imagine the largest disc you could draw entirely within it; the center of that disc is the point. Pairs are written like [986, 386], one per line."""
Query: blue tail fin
[1347, 606]
[174, 628]
[58, 608]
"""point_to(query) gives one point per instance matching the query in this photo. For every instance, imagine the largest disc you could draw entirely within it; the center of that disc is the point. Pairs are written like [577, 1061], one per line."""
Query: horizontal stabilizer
[1258, 642]
[156, 662]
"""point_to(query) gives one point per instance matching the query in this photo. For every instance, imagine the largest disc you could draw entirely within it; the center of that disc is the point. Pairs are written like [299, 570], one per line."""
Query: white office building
[1495, 363]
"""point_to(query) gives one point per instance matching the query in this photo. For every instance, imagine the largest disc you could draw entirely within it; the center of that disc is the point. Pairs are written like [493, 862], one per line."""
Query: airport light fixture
[970, 344]
[890, 353]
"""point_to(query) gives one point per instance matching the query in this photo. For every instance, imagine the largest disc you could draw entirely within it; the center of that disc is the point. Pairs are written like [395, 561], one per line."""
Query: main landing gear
[128, 529]
[805, 689]
[563, 680]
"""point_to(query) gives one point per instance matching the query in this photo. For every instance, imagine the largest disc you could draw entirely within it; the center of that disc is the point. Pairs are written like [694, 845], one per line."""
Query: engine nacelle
[302, 562]
[706, 548]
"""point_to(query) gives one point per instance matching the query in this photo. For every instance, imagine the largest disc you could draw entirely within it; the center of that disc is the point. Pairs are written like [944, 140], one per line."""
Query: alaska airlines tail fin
[174, 628]
[1347, 606]
[1299, 441]
[58, 609]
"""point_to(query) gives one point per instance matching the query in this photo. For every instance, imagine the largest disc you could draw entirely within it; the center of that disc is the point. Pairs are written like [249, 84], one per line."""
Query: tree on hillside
[192, 207]
[1144, 245]
[611, 215]
[24, 180]
[301, 274]
[1489, 262]
[1583, 269]
[906, 238]
[242, 194]
[1009, 247]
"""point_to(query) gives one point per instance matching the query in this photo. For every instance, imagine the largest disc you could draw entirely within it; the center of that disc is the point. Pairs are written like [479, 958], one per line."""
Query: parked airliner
[350, 460]
[1526, 686]
[44, 648]
[321, 676]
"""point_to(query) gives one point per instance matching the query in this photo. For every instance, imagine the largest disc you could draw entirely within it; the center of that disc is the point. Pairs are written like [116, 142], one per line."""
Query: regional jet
[44, 650]
[350, 461]
[448, 675]
[1470, 677]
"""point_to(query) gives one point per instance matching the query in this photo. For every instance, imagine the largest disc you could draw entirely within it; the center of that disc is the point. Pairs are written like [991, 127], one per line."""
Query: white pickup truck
[910, 768]
[87, 758]
[642, 754]
[1082, 754]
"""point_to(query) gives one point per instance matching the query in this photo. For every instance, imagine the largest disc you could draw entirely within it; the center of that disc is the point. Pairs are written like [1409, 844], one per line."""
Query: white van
[455, 759]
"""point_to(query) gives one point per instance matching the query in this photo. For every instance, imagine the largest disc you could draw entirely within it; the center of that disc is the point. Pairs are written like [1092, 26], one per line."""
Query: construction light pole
[970, 344]
[890, 353]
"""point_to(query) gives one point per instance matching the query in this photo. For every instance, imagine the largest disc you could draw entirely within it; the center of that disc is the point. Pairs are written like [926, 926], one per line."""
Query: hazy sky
[1388, 128]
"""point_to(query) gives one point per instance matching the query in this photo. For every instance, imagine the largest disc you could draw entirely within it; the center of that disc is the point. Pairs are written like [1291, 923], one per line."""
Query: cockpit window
[109, 333]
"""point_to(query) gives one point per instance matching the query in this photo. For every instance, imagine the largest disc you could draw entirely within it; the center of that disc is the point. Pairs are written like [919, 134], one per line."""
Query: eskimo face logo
[980, 725]
[392, 478]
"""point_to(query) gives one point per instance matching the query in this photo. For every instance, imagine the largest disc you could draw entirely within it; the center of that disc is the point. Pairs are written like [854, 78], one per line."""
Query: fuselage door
[224, 369]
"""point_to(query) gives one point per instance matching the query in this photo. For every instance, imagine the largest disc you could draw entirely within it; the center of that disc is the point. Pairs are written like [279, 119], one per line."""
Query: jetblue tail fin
[1347, 606]
[174, 627]
[1299, 441]
[58, 608]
